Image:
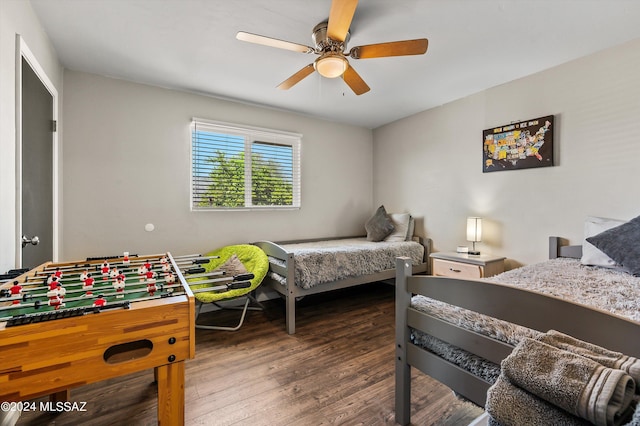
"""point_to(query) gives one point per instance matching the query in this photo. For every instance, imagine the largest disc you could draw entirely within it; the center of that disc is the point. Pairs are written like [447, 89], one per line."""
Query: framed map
[520, 145]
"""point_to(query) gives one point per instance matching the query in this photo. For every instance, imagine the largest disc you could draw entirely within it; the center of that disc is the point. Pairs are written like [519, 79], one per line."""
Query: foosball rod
[48, 270]
[74, 281]
[230, 285]
[26, 292]
[162, 282]
[40, 275]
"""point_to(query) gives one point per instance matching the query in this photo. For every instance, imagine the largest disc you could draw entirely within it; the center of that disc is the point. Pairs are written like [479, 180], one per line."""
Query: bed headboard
[559, 247]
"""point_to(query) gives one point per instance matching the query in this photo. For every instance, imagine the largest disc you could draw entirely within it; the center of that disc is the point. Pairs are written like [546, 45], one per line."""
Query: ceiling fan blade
[296, 78]
[340, 17]
[393, 48]
[273, 42]
[354, 81]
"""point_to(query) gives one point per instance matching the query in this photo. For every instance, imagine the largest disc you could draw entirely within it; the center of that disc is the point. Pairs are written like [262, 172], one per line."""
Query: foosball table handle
[238, 285]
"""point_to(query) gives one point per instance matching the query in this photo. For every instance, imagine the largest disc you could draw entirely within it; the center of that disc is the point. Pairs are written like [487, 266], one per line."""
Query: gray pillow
[621, 244]
[379, 225]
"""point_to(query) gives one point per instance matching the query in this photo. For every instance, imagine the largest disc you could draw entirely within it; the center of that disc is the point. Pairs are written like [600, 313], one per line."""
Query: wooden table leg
[62, 396]
[170, 393]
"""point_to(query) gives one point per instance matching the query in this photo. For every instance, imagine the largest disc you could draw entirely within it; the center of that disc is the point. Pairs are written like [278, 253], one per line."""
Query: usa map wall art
[520, 145]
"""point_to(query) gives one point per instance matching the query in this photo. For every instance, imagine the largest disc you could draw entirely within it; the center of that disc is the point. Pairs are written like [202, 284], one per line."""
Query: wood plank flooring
[338, 369]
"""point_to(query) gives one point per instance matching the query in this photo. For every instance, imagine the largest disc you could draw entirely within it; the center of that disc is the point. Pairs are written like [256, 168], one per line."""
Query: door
[37, 169]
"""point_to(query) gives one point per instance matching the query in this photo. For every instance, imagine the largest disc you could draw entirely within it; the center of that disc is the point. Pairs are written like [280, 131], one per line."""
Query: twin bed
[459, 331]
[305, 267]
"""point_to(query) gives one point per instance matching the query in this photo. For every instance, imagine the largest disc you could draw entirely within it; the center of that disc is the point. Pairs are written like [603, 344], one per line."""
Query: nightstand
[462, 265]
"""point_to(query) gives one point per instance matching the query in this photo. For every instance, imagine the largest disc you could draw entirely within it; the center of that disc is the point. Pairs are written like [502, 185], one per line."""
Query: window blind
[236, 167]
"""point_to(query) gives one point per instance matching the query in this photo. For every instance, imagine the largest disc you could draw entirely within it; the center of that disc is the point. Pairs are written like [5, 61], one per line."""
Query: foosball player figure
[99, 302]
[150, 274]
[122, 277]
[84, 274]
[87, 285]
[113, 273]
[52, 281]
[166, 267]
[118, 285]
[151, 286]
[169, 278]
[58, 273]
[141, 272]
[56, 302]
[125, 259]
[105, 269]
[147, 265]
[61, 291]
[16, 292]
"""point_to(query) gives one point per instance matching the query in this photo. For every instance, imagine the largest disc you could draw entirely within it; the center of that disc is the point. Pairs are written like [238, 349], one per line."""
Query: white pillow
[590, 254]
[401, 223]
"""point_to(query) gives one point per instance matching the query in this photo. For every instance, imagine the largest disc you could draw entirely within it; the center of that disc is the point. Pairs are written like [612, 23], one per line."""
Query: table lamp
[474, 232]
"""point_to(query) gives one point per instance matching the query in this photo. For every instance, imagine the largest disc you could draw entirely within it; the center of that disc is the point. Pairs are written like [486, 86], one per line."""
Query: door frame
[23, 51]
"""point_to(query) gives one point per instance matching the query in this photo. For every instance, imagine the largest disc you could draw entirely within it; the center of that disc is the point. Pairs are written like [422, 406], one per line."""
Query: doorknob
[26, 240]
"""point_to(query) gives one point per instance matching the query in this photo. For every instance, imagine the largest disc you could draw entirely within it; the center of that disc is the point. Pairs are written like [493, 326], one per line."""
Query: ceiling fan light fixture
[331, 65]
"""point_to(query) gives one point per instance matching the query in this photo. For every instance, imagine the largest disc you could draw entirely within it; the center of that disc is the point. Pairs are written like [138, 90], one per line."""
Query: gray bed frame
[291, 291]
[519, 306]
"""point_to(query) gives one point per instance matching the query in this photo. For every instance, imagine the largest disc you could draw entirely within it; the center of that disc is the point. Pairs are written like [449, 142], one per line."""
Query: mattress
[327, 261]
[606, 289]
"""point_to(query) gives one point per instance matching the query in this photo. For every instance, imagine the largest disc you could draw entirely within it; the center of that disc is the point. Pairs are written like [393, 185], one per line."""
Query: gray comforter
[332, 260]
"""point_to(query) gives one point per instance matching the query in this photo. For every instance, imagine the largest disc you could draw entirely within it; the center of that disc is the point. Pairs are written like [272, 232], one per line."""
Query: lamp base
[474, 252]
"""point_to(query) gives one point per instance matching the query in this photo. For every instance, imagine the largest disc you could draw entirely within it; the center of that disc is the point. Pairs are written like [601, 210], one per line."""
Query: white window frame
[251, 134]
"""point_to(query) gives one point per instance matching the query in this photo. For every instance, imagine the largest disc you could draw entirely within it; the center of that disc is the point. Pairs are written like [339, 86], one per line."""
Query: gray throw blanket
[578, 385]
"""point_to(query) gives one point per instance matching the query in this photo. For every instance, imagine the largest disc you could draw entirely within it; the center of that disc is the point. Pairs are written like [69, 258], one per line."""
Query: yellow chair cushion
[252, 257]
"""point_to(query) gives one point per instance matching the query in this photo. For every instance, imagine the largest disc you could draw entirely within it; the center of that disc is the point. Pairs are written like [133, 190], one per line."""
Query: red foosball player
[151, 286]
[150, 274]
[147, 265]
[58, 273]
[105, 269]
[118, 285]
[87, 285]
[122, 277]
[52, 281]
[56, 302]
[16, 292]
[125, 259]
[99, 302]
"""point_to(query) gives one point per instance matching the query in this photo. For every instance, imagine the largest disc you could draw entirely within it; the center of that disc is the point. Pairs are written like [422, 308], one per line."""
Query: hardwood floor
[337, 369]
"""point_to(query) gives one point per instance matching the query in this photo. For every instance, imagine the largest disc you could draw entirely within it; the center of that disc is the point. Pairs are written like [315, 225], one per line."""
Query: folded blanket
[509, 405]
[596, 353]
[635, 419]
[572, 382]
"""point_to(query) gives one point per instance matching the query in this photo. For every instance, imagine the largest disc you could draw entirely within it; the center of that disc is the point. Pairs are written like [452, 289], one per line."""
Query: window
[236, 167]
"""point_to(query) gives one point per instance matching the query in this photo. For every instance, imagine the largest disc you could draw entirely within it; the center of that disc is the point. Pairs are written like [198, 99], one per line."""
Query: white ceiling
[191, 45]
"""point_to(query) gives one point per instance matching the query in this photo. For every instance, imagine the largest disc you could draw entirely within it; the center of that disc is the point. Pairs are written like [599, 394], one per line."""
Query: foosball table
[64, 325]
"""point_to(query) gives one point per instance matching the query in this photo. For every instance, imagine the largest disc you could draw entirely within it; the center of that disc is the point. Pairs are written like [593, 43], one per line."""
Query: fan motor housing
[324, 43]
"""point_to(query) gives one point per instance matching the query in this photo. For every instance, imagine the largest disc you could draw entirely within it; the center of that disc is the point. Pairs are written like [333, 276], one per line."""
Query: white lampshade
[331, 65]
[474, 229]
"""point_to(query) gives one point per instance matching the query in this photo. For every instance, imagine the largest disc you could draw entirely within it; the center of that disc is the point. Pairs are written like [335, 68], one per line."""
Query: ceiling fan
[330, 39]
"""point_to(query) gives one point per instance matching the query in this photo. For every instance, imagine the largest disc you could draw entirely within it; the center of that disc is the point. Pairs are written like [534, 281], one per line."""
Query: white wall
[430, 164]
[17, 17]
[127, 164]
